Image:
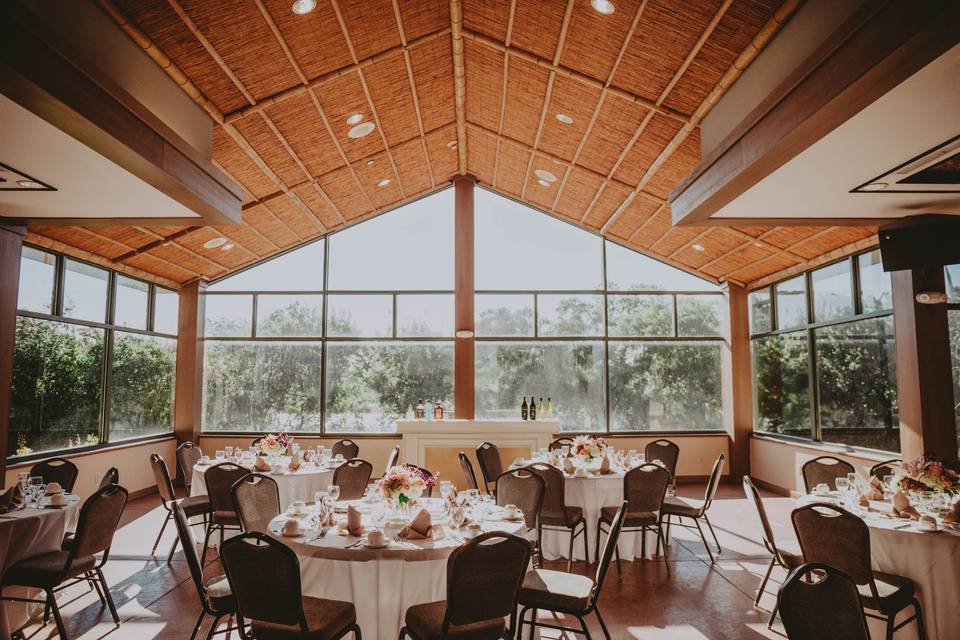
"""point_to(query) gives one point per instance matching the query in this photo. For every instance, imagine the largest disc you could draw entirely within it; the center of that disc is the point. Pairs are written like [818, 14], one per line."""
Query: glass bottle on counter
[541, 410]
[523, 409]
[419, 413]
[549, 408]
[533, 408]
[438, 411]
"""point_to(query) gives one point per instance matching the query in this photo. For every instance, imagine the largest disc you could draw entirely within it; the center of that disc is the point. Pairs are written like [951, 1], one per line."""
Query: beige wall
[131, 461]
[777, 463]
[697, 453]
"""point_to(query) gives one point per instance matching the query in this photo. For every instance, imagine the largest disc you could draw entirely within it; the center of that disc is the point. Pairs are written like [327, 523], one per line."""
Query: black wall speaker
[930, 240]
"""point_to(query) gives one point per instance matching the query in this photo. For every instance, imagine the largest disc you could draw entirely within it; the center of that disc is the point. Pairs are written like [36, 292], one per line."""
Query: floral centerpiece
[927, 473]
[403, 484]
[274, 445]
[589, 448]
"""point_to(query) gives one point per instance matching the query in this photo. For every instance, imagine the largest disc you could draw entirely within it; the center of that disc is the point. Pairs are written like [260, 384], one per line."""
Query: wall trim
[69, 454]
[827, 448]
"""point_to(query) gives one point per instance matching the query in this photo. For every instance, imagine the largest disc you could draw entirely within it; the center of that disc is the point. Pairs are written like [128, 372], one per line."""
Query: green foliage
[782, 384]
[144, 369]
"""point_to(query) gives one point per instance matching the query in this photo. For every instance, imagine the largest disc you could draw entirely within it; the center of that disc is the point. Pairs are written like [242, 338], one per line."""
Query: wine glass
[457, 517]
[842, 485]
[228, 452]
[219, 455]
[565, 450]
[36, 488]
[319, 497]
[334, 492]
[888, 483]
[295, 447]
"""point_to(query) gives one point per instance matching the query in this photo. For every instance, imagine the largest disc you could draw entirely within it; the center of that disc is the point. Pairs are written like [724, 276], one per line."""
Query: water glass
[228, 452]
[565, 450]
[295, 447]
[36, 487]
[457, 517]
[220, 454]
[320, 497]
[842, 485]
[334, 492]
[888, 484]
[23, 478]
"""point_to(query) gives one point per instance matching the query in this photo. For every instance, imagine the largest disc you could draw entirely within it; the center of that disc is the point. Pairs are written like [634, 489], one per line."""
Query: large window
[830, 377]
[94, 356]
[365, 329]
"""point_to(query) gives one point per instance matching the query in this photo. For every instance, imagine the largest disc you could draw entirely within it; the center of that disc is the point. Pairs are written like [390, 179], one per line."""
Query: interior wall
[133, 463]
[777, 463]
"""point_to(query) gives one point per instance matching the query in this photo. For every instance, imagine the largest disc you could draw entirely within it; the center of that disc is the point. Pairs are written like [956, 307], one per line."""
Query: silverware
[903, 526]
[319, 535]
[355, 544]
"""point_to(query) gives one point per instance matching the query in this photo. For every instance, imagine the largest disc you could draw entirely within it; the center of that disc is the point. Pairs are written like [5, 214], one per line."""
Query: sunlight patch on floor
[669, 632]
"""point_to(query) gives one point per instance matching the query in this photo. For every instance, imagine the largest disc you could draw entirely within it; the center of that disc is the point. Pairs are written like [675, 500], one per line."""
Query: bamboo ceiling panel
[280, 87]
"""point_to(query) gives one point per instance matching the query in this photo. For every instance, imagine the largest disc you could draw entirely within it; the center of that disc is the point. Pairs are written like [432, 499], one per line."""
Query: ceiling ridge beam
[776, 251]
[459, 82]
[128, 247]
[503, 89]
[840, 252]
[199, 256]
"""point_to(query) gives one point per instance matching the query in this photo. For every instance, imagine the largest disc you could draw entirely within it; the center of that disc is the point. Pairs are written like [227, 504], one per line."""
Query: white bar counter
[419, 438]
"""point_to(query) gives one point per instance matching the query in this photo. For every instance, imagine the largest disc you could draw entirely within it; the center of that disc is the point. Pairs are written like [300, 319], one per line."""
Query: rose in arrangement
[274, 445]
[589, 447]
[927, 473]
[403, 484]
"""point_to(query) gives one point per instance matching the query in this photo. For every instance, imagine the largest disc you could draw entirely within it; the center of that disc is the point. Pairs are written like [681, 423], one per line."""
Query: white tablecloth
[591, 493]
[931, 560]
[293, 485]
[382, 584]
[26, 533]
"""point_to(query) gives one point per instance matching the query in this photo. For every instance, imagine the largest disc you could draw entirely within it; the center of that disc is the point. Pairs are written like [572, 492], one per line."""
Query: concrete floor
[698, 602]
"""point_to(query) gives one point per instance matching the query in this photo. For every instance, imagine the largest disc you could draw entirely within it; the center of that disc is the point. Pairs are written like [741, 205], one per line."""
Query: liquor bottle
[549, 408]
[541, 410]
[429, 411]
[523, 409]
[533, 408]
[409, 414]
[420, 411]
[438, 411]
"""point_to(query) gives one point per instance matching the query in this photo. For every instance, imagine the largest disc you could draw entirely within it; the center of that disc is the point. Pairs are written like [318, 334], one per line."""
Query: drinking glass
[334, 492]
[888, 482]
[565, 450]
[319, 497]
[36, 487]
[23, 479]
[220, 454]
[842, 485]
[457, 517]
[295, 447]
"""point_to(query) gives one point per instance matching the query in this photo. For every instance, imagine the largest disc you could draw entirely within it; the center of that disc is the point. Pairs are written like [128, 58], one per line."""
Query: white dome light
[383, 182]
[303, 7]
[355, 118]
[213, 243]
[603, 6]
[564, 118]
[362, 129]
[545, 175]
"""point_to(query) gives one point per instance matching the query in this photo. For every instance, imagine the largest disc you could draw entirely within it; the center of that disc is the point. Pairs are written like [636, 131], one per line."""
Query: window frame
[810, 329]
[110, 328]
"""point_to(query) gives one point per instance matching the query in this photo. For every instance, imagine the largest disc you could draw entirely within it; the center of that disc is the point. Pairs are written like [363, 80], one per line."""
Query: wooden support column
[188, 405]
[11, 242]
[737, 379]
[464, 396]
[924, 377]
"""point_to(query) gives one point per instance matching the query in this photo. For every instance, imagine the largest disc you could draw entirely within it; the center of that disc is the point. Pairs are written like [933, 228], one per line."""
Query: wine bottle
[523, 409]
[549, 408]
[533, 408]
[541, 410]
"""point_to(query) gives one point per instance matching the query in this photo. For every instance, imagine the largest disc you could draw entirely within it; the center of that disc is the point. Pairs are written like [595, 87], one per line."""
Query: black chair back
[58, 470]
[644, 488]
[188, 455]
[162, 475]
[468, 475]
[352, 477]
[559, 443]
[713, 483]
[189, 550]
[347, 448]
[256, 499]
[666, 452]
[826, 470]
[490, 465]
[819, 601]
[99, 517]
[112, 476]
[767, 531]
[883, 469]
[220, 478]
[524, 488]
[831, 535]
[554, 503]
[609, 547]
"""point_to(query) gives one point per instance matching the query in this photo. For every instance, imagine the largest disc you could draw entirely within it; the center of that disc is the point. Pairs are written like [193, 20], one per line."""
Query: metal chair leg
[570, 553]
[643, 543]
[52, 602]
[206, 543]
[921, 626]
[660, 539]
[583, 623]
[773, 615]
[108, 597]
[763, 584]
[603, 626]
[714, 533]
[213, 627]
[163, 528]
[173, 549]
[696, 521]
[196, 627]
[533, 623]
[596, 553]
[586, 544]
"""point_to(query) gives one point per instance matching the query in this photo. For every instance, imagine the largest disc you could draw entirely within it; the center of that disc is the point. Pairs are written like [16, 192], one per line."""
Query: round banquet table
[931, 560]
[24, 533]
[301, 484]
[382, 583]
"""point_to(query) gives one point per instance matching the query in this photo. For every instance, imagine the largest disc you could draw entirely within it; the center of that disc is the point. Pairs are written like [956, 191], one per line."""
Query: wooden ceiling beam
[503, 90]
[129, 247]
[737, 249]
[186, 249]
[777, 251]
[459, 82]
[813, 263]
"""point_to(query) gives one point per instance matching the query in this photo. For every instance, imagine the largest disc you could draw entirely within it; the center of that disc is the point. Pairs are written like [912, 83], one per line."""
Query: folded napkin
[11, 498]
[568, 466]
[418, 528]
[295, 462]
[605, 465]
[953, 515]
[902, 508]
[554, 459]
[352, 526]
[261, 465]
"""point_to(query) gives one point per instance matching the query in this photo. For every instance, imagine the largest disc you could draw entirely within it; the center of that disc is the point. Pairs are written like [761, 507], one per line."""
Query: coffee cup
[59, 500]
[927, 523]
[473, 530]
[298, 506]
[291, 527]
[204, 459]
[338, 457]
[375, 538]
[821, 489]
[511, 511]
[54, 487]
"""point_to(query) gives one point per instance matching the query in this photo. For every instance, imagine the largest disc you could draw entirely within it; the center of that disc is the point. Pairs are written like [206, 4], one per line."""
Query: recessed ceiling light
[355, 118]
[361, 130]
[29, 184]
[383, 182]
[543, 183]
[227, 247]
[452, 144]
[874, 186]
[564, 118]
[301, 7]
[213, 243]
[758, 244]
[545, 175]
[603, 6]
[697, 247]
[370, 162]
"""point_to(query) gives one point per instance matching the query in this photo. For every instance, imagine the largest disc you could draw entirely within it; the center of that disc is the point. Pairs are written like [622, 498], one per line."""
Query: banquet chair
[818, 601]
[58, 470]
[256, 441]
[112, 476]
[188, 455]
[569, 593]
[644, 489]
[216, 598]
[256, 499]
[483, 581]
[695, 510]
[264, 576]
[831, 535]
[468, 475]
[525, 489]
[352, 477]
[428, 492]
[667, 452]
[392, 458]
[348, 448]
[559, 443]
[219, 479]
[786, 556]
[194, 506]
[825, 469]
[54, 571]
[488, 456]
[556, 515]
[882, 469]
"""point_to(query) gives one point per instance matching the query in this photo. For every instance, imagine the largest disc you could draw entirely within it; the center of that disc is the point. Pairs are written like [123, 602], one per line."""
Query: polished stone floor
[698, 602]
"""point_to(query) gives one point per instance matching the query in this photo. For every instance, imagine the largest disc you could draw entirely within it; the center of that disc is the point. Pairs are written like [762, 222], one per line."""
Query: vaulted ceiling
[464, 86]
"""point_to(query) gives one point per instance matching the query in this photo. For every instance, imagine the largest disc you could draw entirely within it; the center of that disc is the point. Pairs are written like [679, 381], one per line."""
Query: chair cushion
[425, 621]
[556, 591]
[679, 506]
[219, 595]
[790, 554]
[631, 518]
[569, 517]
[325, 620]
[195, 505]
[226, 517]
[895, 593]
[45, 571]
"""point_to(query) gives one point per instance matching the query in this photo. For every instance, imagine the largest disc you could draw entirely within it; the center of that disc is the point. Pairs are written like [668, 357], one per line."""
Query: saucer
[516, 518]
[383, 545]
[298, 534]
